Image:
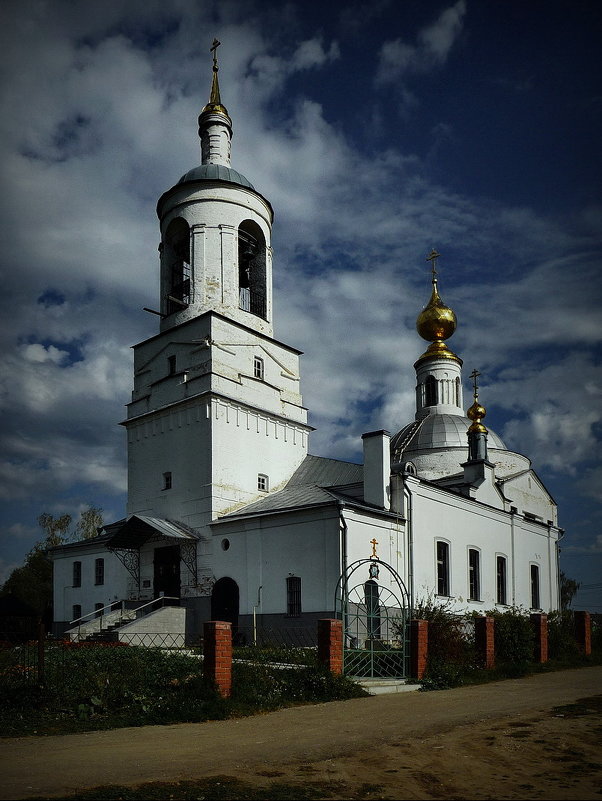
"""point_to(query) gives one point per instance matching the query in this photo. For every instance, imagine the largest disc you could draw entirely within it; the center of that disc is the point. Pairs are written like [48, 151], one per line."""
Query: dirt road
[499, 740]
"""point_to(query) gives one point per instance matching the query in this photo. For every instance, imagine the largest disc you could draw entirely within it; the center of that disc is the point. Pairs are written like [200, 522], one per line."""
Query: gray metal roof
[215, 172]
[138, 529]
[441, 431]
[307, 486]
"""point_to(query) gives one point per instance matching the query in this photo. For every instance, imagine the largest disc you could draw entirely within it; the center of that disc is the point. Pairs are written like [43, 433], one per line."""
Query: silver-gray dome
[215, 172]
[438, 431]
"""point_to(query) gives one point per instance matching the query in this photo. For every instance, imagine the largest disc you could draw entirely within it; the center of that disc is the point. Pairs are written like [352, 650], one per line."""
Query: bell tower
[216, 233]
[216, 419]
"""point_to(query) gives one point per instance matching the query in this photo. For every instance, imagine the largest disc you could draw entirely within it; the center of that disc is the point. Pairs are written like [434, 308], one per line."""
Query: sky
[377, 130]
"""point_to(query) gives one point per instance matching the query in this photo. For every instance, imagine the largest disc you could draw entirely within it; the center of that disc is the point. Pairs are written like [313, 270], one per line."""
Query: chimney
[377, 468]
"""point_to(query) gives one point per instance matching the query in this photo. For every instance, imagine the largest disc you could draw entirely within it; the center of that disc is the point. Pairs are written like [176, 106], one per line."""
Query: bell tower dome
[216, 232]
[438, 370]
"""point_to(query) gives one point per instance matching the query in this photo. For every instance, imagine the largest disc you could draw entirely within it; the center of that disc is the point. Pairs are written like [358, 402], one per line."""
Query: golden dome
[436, 321]
[476, 412]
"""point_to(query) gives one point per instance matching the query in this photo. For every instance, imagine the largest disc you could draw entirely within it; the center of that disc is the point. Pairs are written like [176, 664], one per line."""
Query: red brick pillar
[419, 643]
[330, 644]
[583, 632]
[217, 655]
[485, 641]
[539, 623]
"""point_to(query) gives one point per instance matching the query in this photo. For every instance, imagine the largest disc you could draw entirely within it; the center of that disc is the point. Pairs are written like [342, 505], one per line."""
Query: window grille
[99, 571]
[258, 368]
[293, 596]
[262, 482]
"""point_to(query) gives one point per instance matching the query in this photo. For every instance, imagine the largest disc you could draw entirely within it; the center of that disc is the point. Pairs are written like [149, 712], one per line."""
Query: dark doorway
[167, 571]
[224, 601]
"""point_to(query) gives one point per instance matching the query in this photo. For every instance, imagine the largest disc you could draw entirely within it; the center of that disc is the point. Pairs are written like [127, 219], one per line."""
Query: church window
[474, 574]
[293, 596]
[76, 612]
[99, 571]
[442, 568]
[171, 365]
[458, 387]
[501, 580]
[535, 604]
[167, 481]
[262, 482]
[258, 368]
[77, 574]
[177, 256]
[430, 391]
[98, 609]
[252, 278]
[225, 544]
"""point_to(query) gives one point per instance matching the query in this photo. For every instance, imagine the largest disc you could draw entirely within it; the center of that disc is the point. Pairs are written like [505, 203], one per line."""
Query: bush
[451, 654]
[561, 636]
[514, 641]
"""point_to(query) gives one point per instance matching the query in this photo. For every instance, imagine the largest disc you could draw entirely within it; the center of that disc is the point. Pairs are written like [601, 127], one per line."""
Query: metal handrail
[94, 614]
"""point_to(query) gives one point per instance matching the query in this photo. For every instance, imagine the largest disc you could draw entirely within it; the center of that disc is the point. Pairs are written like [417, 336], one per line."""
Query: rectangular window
[99, 571]
[171, 365]
[501, 579]
[474, 575]
[442, 568]
[258, 368]
[167, 481]
[76, 612]
[535, 587]
[97, 608]
[77, 574]
[262, 482]
[293, 596]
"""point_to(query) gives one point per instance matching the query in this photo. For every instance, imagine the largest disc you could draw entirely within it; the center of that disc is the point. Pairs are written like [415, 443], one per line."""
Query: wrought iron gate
[374, 605]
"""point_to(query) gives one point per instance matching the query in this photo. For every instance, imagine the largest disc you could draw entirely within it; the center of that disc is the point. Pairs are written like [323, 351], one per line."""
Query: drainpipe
[410, 529]
[513, 511]
[255, 614]
[343, 544]
[558, 549]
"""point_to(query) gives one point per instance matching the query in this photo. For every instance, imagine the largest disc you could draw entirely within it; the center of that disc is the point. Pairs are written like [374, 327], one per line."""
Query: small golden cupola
[436, 322]
[477, 432]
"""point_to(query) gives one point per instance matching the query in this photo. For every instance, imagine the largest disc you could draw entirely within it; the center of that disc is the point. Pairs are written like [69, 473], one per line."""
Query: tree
[90, 520]
[568, 590]
[32, 582]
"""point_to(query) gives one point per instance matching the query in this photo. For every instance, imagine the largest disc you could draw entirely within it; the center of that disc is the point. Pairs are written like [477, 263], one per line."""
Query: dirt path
[497, 740]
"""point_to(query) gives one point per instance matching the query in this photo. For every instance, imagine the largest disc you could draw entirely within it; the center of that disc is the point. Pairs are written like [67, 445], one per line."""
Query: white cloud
[433, 46]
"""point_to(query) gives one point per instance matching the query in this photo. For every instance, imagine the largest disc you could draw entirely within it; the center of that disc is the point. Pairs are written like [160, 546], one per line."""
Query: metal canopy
[139, 529]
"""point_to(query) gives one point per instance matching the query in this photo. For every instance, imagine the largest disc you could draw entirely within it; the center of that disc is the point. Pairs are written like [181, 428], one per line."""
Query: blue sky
[378, 131]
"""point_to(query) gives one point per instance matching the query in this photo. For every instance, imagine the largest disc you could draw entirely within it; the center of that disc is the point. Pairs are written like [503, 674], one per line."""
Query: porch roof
[139, 529]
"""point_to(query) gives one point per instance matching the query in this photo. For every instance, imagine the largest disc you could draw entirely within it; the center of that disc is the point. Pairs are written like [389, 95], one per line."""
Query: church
[229, 516]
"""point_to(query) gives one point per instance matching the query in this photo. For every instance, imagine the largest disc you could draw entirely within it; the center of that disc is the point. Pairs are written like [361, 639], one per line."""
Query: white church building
[229, 515]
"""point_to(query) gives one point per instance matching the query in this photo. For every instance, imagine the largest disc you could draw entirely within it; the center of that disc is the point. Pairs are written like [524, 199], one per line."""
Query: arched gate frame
[375, 607]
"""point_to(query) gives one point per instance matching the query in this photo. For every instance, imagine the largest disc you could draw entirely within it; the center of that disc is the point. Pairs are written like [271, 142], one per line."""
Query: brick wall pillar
[583, 632]
[419, 638]
[330, 644]
[539, 623]
[485, 641]
[217, 655]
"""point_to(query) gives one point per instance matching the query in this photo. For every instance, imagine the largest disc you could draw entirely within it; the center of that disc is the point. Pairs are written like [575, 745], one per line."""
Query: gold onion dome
[476, 412]
[436, 322]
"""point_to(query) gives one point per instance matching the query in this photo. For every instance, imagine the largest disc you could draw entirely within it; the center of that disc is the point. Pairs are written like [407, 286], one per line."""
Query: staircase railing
[100, 614]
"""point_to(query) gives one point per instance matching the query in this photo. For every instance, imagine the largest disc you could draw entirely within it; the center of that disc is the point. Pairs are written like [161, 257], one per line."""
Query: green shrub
[451, 654]
[514, 640]
[562, 644]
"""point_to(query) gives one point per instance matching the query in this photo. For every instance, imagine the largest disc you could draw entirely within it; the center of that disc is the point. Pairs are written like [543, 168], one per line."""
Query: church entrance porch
[373, 603]
[166, 571]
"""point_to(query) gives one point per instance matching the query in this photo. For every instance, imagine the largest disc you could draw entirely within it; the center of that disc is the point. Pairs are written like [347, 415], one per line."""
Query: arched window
[252, 269]
[430, 391]
[458, 401]
[177, 256]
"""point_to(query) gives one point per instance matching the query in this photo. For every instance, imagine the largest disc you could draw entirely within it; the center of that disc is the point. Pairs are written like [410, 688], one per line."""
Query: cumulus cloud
[432, 47]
